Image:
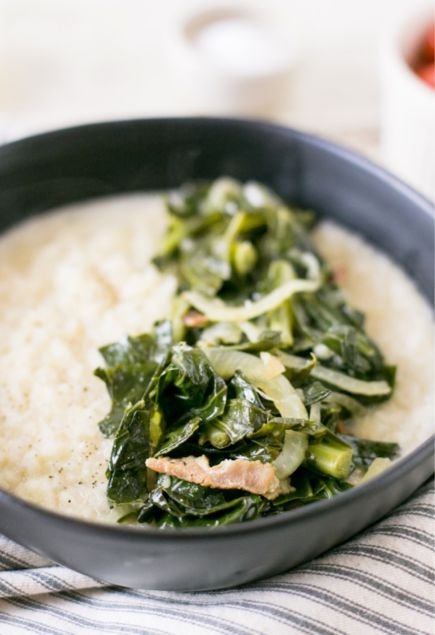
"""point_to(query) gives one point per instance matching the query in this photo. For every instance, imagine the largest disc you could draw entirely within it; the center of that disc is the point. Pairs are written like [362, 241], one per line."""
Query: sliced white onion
[220, 191]
[292, 454]
[337, 379]
[218, 311]
[279, 389]
[312, 264]
[273, 366]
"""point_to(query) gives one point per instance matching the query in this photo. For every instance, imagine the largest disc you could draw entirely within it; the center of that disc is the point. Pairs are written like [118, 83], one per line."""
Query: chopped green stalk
[331, 456]
[281, 320]
[216, 437]
[244, 257]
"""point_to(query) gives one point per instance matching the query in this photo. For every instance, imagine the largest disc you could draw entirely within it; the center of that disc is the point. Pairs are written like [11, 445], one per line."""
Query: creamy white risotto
[80, 277]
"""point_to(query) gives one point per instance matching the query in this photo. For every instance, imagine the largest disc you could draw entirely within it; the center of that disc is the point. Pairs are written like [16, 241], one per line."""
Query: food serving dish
[61, 167]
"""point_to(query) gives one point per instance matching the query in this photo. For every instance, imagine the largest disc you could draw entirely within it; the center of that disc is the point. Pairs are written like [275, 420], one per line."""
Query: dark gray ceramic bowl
[79, 163]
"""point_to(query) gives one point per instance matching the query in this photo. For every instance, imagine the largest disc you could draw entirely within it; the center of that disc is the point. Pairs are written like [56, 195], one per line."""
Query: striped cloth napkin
[379, 582]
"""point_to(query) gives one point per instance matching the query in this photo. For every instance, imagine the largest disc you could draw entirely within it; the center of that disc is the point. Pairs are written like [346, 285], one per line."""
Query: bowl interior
[42, 172]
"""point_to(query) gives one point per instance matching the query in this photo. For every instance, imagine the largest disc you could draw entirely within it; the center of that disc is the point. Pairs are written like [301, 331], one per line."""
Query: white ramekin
[224, 90]
[408, 105]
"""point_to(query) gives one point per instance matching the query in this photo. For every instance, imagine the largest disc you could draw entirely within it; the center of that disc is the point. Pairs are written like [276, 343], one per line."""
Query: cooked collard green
[257, 373]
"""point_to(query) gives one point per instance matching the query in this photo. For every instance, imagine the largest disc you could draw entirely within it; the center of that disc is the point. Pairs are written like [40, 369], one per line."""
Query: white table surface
[72, 61]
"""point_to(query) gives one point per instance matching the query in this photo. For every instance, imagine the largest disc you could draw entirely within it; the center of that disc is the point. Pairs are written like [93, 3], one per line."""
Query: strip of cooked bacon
[252, 476]
[193, 318]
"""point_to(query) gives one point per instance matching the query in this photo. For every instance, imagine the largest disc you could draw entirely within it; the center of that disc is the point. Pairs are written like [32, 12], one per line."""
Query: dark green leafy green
[354, 351]
[126, 472]
[309, 487]
[365, 451]
[194, 499]
[177, 436]
[244, 414]
[130, 365]
[259, 329]
[247, 508]
[189, 505]
[188, 387]
[314, 392]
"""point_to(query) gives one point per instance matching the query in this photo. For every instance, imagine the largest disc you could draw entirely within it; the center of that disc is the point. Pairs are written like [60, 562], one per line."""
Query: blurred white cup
[234, 62]
[408, 104]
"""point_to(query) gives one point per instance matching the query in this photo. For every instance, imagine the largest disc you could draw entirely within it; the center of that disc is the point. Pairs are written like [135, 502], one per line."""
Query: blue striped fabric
[379, 582]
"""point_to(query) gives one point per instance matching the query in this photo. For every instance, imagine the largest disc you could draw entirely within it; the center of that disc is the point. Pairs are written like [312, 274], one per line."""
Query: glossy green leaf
[366, 451]
[127, 473]
[244, 414]
[177, 436]
[130, 366]
[188, 387]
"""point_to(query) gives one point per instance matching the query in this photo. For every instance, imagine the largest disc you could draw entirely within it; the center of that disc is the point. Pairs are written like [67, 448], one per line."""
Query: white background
[67, 61]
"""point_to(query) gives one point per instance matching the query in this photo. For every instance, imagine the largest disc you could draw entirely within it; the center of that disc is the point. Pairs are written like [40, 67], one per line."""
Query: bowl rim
[296, 516]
